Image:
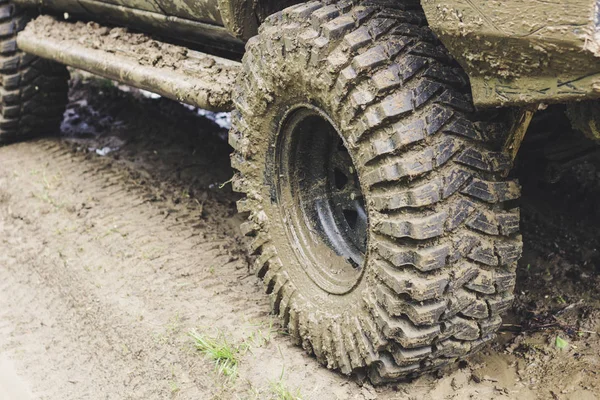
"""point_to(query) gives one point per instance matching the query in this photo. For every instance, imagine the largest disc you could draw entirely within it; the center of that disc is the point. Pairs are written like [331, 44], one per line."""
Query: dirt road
[119, 238]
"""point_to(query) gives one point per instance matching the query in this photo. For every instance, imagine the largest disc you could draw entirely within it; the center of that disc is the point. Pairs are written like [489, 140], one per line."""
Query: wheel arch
[518, 53]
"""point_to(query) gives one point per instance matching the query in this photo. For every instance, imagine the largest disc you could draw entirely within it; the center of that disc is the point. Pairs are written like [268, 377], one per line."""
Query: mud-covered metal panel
[59, 5]
[206, 35]
[522, 51]
[197, 10]
[146, 5]
[243, 17]
[180, 28]
[239, 17]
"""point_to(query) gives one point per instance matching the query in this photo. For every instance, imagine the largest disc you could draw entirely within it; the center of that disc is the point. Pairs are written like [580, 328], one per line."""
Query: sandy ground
[118, 238]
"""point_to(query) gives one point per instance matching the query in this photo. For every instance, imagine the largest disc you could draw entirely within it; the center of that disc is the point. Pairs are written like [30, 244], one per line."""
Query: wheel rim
[321, 199]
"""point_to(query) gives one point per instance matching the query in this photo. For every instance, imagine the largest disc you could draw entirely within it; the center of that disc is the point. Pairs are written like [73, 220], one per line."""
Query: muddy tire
[33, 92]
[346, 106]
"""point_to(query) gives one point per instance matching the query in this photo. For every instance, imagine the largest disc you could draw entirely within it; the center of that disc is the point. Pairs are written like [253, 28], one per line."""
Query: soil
[121, 236]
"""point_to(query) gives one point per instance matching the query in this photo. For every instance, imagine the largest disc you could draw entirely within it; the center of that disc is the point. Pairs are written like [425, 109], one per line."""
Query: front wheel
[378, 215]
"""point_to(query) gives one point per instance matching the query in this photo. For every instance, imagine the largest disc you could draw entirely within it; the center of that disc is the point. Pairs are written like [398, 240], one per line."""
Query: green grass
[174, 386]
[263, 335]
[283, 393]
[217, 349]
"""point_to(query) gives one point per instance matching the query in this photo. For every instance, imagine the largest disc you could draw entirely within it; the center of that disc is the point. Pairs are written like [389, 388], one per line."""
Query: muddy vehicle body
[373, 141]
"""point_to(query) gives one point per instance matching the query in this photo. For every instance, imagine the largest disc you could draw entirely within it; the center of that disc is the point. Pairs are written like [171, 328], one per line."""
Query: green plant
[283, 393]
[561, 343]
[217, 349]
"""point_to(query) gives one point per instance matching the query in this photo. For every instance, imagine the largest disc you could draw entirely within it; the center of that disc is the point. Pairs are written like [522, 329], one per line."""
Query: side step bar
[136, 60]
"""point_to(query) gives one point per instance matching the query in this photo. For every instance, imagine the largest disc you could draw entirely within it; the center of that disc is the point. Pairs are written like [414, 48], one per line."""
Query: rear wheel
[33, 92]
[380, 220]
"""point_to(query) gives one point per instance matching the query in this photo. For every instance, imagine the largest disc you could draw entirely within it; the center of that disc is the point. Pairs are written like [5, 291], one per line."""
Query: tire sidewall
[306, 88]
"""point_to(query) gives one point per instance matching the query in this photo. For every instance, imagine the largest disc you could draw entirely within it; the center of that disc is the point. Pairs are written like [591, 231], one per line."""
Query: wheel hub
[320, 192]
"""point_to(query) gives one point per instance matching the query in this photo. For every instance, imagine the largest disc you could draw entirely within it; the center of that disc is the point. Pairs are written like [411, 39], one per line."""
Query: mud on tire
[33, 91]
[438, 267]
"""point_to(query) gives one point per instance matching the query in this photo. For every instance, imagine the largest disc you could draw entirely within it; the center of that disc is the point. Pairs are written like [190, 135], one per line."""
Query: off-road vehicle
[372, 141]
